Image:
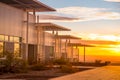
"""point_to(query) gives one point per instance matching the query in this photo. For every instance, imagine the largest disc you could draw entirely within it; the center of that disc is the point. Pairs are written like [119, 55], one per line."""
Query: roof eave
[48, 7]
[53, 26]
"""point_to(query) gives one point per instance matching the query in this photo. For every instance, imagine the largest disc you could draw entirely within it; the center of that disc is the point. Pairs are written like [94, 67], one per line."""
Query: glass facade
[17, 48]
[16, 41]
[11, 38]
[1, 37]
[1, 49]
[6, 38]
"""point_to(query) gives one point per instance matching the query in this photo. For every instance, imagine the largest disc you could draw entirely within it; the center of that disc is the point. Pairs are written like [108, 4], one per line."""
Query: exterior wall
[10, 20]
[72, 54]
[49, 39]
[13, 23]
[32, 31]
[49, 46]
[57, 48]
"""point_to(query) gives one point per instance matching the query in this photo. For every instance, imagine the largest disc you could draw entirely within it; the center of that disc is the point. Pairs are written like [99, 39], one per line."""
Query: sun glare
[114, 48]
[93, 36]
[109, 37]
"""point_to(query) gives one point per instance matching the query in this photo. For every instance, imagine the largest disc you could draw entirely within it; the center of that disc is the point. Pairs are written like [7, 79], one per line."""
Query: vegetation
[12, 64]
[97, 63]
[68, 69]
[38, 67]
[60, 62]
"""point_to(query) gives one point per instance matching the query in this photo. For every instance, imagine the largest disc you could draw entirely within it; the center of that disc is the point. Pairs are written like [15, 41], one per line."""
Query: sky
[90, 20]
[93, 16]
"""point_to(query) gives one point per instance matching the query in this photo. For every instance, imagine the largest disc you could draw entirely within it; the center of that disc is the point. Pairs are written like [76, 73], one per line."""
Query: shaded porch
[42, 54]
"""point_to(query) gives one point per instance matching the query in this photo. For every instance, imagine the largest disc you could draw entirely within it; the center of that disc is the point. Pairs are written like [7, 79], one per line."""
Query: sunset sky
[91, 20]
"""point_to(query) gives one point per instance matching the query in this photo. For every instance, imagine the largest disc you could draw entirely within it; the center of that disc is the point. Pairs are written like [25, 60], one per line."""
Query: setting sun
[116, 49]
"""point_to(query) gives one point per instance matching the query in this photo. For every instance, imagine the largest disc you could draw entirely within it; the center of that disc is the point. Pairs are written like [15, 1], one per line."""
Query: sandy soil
[102, 73]
[36, 75]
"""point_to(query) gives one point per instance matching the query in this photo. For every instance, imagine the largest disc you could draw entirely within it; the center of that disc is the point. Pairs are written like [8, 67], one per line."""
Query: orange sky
[107, 48]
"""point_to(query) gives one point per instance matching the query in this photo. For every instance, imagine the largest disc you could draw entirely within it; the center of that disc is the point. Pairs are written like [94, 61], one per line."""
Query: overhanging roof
[67, 37]
[29, 5]
[79, 45]
[51, 27]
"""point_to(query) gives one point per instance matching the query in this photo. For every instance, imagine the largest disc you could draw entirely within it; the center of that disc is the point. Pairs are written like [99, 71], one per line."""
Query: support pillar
[27, 32]
[84, 53]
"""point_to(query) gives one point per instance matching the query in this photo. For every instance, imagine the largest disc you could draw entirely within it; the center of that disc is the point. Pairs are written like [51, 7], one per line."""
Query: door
[32, 54]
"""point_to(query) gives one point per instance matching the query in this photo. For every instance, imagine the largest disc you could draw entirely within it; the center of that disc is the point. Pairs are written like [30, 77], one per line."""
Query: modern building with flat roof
[23, 35]
[18, 33]
[64, 50]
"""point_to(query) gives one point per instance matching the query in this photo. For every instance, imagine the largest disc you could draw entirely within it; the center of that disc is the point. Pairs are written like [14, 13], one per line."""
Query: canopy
[30, 5]
[51, 27]
[67, 37]
[79, 45]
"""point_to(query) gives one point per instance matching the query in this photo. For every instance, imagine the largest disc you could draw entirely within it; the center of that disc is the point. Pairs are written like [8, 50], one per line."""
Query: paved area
[101, 73]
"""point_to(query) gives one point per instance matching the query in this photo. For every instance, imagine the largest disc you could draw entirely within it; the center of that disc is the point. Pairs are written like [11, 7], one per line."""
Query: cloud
[112, 0]
[100, 42]
[85, 13]
[93, 36]
[48, 18]
[82, 14]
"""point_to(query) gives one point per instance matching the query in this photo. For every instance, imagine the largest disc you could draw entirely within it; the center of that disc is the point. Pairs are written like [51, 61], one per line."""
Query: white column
[27, 32]
[84, 53]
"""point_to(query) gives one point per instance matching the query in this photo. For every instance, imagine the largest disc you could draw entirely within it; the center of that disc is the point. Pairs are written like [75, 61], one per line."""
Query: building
[23, 35]
[18, 33]
[48, 40]
[64, 50]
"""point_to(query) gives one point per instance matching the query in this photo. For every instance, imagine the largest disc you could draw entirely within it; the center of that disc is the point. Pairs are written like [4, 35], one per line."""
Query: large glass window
[1, 49]
[16, 47]
[6, 38]
[17, 50]
[16, 39]
[11, 38]
[2, 37]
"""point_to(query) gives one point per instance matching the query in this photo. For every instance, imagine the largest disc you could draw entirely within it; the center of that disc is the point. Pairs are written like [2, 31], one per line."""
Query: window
[2, 37]
[6, 38]
[1, 49]
[11, 38]
[17, 50]
[16, 39]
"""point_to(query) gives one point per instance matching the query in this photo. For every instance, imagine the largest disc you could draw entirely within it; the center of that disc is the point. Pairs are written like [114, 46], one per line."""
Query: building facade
[18, 34]
[22, 35]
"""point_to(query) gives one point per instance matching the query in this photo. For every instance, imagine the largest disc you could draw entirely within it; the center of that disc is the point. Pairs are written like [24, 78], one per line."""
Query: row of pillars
[84, 53]
[43, 37]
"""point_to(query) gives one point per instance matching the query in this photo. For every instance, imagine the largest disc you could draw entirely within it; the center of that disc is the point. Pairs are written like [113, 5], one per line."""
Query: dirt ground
[102, 73]
[35, 75]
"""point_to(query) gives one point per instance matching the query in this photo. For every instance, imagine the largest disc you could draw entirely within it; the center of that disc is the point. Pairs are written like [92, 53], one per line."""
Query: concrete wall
[10, 20]
[13, 22]
[49, 39]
